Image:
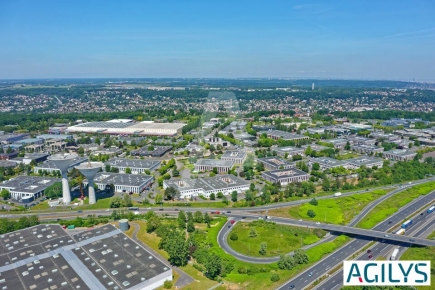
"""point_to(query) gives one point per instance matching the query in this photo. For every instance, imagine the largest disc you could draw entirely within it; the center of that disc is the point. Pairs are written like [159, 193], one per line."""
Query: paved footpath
[183, 280]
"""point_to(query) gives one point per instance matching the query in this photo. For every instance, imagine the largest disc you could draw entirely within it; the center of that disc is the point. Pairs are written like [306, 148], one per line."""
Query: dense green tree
[263, 248]
[181, 220]
[213, 266]
[300, 257]
[198, 218]
[311, 213]
[175, 245]
[234, 196]
[5, 194]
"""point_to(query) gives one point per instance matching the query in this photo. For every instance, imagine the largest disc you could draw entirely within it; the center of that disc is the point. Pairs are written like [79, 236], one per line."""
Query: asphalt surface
[420, 227]
[319, 269]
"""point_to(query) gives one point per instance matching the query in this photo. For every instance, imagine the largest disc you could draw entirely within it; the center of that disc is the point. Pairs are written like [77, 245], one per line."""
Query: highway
[329, 262]
[420, 227]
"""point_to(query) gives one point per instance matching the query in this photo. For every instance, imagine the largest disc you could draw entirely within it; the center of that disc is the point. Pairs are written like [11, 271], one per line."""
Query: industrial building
[158, 151]
[285, 176]
[289, 150]
[12, 138]
[115, 127]
[276, 163]
[123, 182]
[399, 154]
[137, 166]
[48, 257]
[237, 156]
[27, 188]
[367, 149]
[222, 166]
[357, 140]
[277, 134]
[207, 185]
[337, 143]
[329, 163]
[366, 161]
[50, 167]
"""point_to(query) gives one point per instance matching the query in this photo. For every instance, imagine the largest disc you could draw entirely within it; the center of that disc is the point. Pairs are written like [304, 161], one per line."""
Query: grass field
[100, 204]
[339, 210]
[392, 204]
[279, 238]
[421, 253]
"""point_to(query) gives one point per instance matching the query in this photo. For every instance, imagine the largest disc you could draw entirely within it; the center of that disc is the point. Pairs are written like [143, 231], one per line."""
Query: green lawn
[340, 210]
[186, 205]
[347, 156]
[422, 253]
[279, 238]
[100, 204]
[392, 204]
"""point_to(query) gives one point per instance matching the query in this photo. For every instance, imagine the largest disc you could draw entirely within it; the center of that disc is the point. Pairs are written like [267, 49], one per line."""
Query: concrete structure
[89, 170]
[130, 128]
[49, 257]
[49, 167]
[289, 150]
[285, 176]
[366, 161]
[380, 136]
[399, 154]
[356, 140]
[63, 161]
[158, 151]
[205, 186]
[367, 149]
[329, 163]
[237, 156]
[37, 157]
[407, 123]
[276, 163]
[27, 188]
[337, 143]
[277, 134]
[123, 182]
[137, 166]
[208, 164]
[123, 225]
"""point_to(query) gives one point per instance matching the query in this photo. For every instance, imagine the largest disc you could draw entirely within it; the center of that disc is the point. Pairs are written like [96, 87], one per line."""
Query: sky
[391, 40]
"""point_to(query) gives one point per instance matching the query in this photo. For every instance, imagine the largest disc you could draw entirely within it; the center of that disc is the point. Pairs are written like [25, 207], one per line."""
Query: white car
[300, 220]
[260, 218]
[148, 208]
[317, 223]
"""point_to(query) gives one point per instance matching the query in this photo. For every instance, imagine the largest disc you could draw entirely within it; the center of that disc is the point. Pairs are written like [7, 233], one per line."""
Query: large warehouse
[115, 127]
[27, 188]
[47, 257]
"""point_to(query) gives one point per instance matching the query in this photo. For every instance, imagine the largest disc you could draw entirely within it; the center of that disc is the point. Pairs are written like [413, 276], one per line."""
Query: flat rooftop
[122, 179]
[214, 162]
[287, 149]
[219, 182]
[401, 152]
[133, 163]
[7, 163]
[47, 257]
[364, 160]
[50, 165]
[234, 154]
[158, 150]
[284, 135]
[284, 173]
[327, 161]
[275, 161]
[29, 184]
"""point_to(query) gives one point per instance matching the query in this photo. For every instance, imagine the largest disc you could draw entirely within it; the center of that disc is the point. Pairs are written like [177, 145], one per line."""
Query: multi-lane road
[319, 269]
[421, 226]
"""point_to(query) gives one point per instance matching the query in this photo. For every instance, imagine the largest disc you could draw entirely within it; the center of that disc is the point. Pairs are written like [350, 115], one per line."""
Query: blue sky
[320, 39]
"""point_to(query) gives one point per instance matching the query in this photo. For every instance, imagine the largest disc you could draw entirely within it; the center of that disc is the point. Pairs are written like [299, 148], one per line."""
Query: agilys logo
[386, 273]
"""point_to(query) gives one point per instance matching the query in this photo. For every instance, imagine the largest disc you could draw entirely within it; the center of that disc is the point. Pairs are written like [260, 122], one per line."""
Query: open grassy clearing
[340, 210]
[392, 204]
[422, 253]
[280, 239]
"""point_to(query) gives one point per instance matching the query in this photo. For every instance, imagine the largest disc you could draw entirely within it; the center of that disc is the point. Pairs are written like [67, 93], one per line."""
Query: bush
[167, 284]
[311, 213]
[314, 202]
[274, 277]
[234, 237]
[242, 270]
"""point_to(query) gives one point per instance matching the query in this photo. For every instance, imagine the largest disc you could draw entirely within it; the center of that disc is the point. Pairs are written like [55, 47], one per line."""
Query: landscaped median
[392, 204]
[339, 210]
[247, 238]
[422, 253]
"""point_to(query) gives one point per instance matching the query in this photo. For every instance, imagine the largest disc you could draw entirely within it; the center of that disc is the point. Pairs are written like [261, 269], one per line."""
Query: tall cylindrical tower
[89, 170]
[63, 161]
